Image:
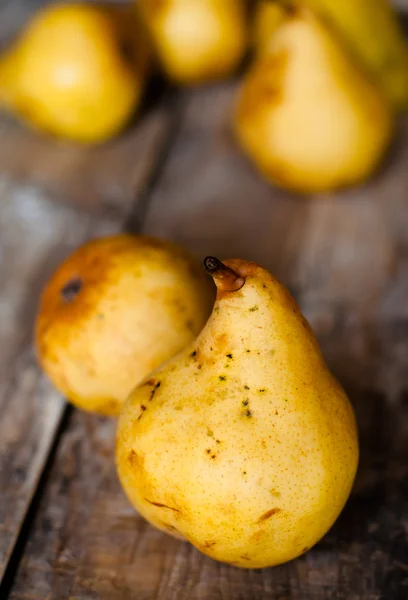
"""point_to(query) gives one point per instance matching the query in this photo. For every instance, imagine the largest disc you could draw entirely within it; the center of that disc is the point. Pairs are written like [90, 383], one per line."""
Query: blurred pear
[136, 41]
[308, 118]
[76, 71]
[268, 16]
[197, 41]
[375, 37]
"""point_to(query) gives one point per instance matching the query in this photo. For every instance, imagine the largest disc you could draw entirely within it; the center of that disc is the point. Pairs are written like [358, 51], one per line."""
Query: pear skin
[74, 73]
[244, 443]
[113, 311]
[309, 119]
[197, 41]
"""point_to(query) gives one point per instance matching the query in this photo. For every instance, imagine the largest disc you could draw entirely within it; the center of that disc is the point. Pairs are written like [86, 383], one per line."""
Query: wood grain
[345, 258]
[102, 178]
[34, 235]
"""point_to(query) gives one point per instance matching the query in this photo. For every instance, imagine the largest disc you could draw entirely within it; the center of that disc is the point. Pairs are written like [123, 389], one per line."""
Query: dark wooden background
[66, 529]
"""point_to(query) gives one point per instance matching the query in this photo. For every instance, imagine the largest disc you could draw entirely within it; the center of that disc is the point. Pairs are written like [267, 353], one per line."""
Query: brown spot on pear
[268, 514]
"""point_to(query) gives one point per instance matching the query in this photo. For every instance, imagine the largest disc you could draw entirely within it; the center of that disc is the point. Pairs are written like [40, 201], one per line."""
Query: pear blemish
[160, 505]
[71, 289]
[132, 457]
[269, 514]
[142, 411]
[156, 385]
[211, 453]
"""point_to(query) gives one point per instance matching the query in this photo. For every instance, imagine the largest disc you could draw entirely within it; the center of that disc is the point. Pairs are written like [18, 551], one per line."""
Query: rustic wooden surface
[35, 234]
[53, 196]
[345, 257]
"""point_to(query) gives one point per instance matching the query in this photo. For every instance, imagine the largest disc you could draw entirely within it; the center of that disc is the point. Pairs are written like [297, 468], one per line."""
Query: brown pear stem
[225, 278]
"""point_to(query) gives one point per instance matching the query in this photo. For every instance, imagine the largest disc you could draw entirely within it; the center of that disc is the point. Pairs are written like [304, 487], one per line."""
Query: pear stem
[225, 278]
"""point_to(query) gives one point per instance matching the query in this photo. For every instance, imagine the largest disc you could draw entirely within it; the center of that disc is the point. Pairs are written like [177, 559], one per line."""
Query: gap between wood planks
[133, 222]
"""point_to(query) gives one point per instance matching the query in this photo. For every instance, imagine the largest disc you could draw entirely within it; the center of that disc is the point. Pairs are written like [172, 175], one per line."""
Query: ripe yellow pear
[113, 311]
[197, 41]
[308, 118]
[76, 71]
[244, 443]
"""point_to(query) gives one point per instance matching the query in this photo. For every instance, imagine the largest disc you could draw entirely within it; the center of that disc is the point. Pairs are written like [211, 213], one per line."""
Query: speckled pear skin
[244, 443]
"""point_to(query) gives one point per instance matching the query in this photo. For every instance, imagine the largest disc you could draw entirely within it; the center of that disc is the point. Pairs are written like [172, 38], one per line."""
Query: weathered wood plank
[98, 178]
[36, 232]
[345, 258]
[99, 186]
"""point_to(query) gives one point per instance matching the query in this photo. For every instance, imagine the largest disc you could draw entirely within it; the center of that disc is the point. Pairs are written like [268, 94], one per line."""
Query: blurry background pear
[267, 17]
[373, 34]
[197, 41]
[308, 118]
[77, 71]
[113, 311]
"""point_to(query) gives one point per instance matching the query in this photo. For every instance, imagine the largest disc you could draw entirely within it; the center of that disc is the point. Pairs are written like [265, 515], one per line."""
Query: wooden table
[66, 529]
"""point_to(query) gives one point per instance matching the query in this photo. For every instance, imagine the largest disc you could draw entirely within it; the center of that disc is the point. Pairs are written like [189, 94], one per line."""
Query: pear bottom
[232, 507]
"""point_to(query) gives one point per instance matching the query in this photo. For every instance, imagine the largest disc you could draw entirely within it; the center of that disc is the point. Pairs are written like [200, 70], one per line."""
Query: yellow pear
[309, 119]
[197, 41]
[375, 37]
[113, 311]
[244, 443]
[75, 71]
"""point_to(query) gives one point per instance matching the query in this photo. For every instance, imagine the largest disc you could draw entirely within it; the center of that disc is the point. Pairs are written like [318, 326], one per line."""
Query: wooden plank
[34, 235]
[345, 257]
[36, 232]
[96, 178]
[99, 186]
